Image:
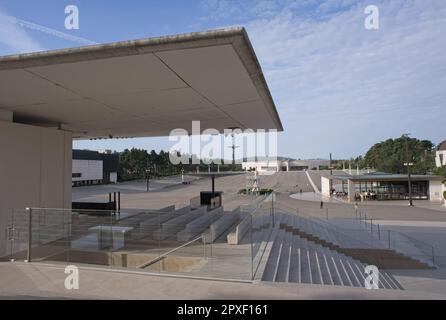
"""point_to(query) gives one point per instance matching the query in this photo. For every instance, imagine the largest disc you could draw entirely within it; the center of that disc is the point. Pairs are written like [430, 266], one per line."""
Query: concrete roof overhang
[385, 178]
[141, 88]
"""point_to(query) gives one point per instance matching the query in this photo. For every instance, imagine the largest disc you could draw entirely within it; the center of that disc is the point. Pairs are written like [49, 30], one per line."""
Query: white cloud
[341, 87]
[14, 39]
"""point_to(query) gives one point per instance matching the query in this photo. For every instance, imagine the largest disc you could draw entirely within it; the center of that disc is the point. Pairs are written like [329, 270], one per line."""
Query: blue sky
[338, 87]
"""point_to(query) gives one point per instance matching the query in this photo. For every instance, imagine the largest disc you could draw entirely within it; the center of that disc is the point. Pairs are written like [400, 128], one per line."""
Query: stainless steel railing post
[30, 236]
[388, 237]
[433, 255]
[204, 246]
[252, 249]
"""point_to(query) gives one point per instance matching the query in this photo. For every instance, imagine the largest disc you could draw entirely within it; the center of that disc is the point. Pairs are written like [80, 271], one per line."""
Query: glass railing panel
[194, 242]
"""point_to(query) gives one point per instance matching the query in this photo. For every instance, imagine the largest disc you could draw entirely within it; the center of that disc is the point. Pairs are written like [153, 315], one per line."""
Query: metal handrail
[328, 226]
[92, 210]
[257, 208]
[373, 243]
[416, 242]
[146, 264]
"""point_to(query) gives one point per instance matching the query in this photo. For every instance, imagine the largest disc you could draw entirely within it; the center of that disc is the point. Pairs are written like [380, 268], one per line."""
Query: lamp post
[233, 146]
[331, 166]
[408, 164]
[148, 179]
[182, 175]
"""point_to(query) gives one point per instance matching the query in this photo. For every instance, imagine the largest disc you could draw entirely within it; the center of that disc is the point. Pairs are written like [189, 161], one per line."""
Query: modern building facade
[382, 187]
[93, 167]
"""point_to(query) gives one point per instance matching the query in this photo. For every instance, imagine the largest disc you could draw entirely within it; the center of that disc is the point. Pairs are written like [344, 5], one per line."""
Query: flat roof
[384, 177]
[141, 88]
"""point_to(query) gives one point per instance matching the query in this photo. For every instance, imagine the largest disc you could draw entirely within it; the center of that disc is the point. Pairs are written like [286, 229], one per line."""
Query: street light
[148, 179]
[408, 164]
[233, 146]
[331, 166]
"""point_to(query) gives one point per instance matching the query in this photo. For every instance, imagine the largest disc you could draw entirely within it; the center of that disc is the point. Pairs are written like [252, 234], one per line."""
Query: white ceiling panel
[252, 114]
[216, 72]
[157, 102]
[112, 76]
[19, 87]
[191, 115]
[71, 111]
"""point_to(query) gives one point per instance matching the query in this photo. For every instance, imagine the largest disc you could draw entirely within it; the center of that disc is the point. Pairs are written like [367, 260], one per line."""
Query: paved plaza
[425, 222]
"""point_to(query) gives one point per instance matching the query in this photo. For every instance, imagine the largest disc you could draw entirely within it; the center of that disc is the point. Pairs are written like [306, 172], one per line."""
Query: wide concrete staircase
[358, 243]
[296, 259]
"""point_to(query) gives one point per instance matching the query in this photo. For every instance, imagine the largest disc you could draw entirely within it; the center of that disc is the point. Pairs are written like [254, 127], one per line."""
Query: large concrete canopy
[141, 88]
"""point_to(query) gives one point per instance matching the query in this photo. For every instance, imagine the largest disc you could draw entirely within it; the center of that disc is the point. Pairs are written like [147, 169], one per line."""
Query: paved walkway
[134, 195]
[316, 189]
[377, 212]
[35, 281]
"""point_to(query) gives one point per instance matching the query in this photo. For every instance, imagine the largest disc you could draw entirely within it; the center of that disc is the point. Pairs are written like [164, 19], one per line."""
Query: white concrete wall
[435, 191]
[89, 170]
[351, 190]
[325, 186]
[35, 169]
[438, 161]
[113, 177]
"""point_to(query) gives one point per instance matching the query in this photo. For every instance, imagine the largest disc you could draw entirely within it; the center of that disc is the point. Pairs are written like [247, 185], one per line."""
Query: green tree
[390, 155]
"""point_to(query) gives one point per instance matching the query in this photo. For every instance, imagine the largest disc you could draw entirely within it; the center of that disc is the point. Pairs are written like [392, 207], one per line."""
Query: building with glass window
[381, 186]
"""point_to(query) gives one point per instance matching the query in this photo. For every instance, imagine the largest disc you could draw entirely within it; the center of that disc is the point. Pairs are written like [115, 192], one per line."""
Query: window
[76, 175]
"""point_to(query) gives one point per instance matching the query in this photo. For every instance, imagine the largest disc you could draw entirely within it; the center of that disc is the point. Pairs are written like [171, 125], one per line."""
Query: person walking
[322, 204]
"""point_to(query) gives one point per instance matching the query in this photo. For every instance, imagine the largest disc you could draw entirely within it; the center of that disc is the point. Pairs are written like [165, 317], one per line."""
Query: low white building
[261, 166]
[275, 165]
[377, 186]
[440, 158]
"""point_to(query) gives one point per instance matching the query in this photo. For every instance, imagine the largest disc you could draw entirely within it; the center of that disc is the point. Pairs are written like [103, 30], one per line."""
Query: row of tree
[139, 163]
[387, 156]
[391, 155]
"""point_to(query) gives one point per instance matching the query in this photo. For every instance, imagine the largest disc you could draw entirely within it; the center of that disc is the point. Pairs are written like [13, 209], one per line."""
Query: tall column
[351, 190]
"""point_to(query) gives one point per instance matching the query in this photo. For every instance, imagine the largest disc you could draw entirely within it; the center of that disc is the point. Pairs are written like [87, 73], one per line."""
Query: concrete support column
[325, 186]
[443, 190]
[35, 170]
[351, 190]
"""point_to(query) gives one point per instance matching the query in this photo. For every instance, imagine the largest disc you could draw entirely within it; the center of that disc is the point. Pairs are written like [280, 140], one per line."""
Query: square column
[351, 190]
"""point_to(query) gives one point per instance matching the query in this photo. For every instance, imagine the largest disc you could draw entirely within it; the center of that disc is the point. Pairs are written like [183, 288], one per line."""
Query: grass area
[260, 192]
